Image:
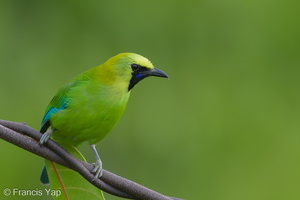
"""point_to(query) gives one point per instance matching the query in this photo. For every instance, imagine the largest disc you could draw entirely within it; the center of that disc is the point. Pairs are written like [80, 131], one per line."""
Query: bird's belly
[87, 122]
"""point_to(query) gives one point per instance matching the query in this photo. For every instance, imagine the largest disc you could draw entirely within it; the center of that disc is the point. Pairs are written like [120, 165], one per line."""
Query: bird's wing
[59, 102]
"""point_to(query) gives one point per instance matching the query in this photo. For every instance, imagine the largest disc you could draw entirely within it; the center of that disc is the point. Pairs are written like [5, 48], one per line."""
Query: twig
[14, 132]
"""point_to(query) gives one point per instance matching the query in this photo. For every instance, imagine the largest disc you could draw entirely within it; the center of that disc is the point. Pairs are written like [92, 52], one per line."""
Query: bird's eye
[135, 67]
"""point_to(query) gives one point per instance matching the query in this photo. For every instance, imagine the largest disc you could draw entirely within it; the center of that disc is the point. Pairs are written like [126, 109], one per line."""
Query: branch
[16, 133]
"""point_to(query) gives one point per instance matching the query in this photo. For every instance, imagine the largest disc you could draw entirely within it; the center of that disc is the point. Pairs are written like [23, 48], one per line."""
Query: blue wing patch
[52, 109]
[50, 112]
[59, 102]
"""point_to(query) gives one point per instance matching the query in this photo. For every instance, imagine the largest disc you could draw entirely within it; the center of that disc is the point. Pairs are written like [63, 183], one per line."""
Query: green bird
[91, 104]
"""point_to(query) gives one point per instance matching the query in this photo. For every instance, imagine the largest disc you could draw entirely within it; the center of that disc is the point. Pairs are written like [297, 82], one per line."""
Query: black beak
[137, 76]
[155, 72]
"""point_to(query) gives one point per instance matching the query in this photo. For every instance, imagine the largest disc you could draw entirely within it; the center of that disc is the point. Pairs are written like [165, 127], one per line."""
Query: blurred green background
[224, 127]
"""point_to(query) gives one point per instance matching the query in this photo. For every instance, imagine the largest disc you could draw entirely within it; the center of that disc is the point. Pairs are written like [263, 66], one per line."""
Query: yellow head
[127, 69]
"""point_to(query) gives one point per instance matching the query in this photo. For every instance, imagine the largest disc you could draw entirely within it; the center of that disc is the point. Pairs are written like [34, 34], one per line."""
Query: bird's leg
[98, 164]
[45, 137]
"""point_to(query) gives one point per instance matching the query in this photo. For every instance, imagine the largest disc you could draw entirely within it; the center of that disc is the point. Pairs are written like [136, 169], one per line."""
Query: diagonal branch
[16, 133]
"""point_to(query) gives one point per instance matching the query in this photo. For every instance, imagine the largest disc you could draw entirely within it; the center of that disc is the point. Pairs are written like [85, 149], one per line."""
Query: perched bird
[90, 105]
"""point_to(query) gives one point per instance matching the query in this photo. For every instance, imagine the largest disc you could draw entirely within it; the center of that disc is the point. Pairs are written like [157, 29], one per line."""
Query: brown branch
[27, 138]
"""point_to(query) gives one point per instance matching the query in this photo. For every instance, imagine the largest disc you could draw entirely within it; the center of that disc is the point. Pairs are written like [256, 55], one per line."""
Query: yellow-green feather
[90, 105]
[92, 111]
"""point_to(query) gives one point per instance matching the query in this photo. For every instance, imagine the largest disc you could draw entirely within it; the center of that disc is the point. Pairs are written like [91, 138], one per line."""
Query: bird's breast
[91, 113]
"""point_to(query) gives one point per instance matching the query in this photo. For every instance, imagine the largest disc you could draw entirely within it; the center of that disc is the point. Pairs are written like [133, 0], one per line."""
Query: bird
[89, 106]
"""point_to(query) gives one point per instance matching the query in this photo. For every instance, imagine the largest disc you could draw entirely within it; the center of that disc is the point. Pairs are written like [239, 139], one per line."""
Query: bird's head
[132, 68]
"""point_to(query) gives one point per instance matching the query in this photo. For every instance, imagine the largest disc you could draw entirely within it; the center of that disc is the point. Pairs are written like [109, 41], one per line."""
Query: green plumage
[90, 105]
[92, 110]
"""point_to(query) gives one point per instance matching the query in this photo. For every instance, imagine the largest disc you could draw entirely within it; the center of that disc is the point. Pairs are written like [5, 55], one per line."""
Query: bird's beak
[137, 77]
[155, 72]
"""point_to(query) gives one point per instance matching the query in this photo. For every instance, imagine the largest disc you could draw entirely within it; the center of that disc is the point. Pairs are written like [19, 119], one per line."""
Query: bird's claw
[45, 137]
[97, 169]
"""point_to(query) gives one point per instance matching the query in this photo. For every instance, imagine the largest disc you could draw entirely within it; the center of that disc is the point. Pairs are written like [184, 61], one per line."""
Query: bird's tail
[44, 178]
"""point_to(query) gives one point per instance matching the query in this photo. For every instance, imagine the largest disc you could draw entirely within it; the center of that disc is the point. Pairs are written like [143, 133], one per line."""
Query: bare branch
[15, 132]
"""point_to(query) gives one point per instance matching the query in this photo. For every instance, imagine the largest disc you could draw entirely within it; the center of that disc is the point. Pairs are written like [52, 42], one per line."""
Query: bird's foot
[97, 169]
[45, 137]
